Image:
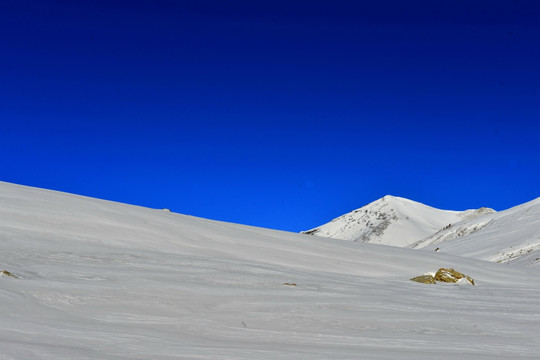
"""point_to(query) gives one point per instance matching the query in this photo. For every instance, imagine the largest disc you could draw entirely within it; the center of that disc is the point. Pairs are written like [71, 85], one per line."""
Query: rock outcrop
[451, 276]
[443, 275]
[424, 279]
[7, 273]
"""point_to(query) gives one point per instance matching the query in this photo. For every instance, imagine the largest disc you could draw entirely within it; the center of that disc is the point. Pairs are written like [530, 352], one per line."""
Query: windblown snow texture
[103, 280]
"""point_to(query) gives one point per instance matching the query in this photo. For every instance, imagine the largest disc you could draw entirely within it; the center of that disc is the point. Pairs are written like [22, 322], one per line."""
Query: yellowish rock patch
[443, 275]
[7, 273]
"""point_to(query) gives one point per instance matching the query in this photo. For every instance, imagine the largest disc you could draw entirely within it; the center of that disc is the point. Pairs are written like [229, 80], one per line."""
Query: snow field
[102, 280]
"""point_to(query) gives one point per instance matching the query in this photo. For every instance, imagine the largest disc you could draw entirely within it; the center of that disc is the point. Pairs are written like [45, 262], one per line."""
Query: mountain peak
[391, 220]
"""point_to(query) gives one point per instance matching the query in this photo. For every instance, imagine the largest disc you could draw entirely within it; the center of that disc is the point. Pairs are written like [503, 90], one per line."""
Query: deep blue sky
[281, 114]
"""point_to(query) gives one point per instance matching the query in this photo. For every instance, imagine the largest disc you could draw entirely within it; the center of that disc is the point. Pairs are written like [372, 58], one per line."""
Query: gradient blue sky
[281, 114]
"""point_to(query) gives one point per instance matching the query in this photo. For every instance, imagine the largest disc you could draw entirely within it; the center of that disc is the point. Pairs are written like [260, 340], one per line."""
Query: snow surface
[392, 221]
[103, 280]
[511, 236]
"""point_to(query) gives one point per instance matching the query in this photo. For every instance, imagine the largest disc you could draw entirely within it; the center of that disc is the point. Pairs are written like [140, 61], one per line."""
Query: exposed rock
[451, 276]
[311, 232]
[443, 275]
[7, 273]
[424, 279]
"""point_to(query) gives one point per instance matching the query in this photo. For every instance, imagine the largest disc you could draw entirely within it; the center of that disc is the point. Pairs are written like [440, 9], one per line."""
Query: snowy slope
[511, 236]
[103, 280]
[392, 221]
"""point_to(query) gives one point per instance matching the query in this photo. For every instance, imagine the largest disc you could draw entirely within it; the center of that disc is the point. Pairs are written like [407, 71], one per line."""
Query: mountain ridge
[510, 236]
[392, 220]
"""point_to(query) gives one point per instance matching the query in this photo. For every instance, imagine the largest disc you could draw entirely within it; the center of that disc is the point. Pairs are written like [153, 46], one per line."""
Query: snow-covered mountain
[510, 236]
[393, 221]
[94, 279]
